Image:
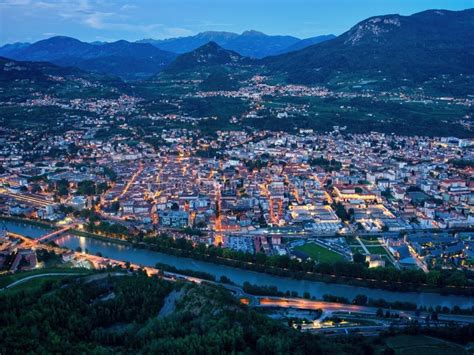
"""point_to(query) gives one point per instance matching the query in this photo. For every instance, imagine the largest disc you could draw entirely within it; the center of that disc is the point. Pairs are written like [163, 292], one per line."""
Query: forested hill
[393, 48]
[121, 315]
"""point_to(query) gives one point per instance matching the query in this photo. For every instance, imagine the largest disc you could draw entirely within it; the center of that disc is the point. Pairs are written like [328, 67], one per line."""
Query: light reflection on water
[318, 289]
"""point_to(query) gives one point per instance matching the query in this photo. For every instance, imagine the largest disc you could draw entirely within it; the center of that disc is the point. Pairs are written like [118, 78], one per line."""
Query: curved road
[301, 303]
[13, 284]
[267, 301]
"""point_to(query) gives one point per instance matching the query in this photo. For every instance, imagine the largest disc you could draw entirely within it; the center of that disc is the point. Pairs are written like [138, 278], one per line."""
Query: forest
[122, 315]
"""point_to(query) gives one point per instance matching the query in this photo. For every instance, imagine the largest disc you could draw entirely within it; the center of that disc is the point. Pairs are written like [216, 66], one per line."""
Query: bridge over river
[148, 258]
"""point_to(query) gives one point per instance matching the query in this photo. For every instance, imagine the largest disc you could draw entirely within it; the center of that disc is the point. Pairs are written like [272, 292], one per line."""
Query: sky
[107, 20]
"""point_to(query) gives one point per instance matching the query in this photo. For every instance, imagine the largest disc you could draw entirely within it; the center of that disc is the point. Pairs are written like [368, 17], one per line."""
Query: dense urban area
[236, 204]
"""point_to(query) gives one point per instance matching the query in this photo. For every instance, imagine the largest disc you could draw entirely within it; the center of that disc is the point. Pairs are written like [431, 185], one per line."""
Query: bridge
[261, 301]
[53, 235]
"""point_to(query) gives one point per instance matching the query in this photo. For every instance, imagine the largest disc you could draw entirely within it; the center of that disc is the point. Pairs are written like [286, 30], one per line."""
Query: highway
[300, 303]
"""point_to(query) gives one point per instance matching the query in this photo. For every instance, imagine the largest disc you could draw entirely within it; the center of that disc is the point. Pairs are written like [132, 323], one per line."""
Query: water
[28, 230]
[239, 276]
[317, 289]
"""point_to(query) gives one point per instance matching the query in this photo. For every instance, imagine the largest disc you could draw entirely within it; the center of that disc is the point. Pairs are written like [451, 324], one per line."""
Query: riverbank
[32, 222]
[99, 237]
[149, 258]
[281, 272]
[274, 271]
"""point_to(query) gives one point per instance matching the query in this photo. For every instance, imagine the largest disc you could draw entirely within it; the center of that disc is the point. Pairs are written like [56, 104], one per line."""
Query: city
[338, 212]
[266, 187]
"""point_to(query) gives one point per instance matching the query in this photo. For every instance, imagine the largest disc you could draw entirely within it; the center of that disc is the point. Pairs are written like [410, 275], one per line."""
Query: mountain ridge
[393, 47]
[250, 43]
[118, 58]
[208, 55]
[19, 78]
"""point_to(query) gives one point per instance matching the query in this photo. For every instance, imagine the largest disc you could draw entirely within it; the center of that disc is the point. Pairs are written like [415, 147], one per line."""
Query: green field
[319, 253]
[374, 246]
[376, 249]
[408, 345]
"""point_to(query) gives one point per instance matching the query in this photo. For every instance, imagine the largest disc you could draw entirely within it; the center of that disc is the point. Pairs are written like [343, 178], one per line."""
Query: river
[239, 276]
[28, 230]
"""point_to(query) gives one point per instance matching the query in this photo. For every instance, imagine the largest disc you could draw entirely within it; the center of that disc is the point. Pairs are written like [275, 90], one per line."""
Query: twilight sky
[107, 20]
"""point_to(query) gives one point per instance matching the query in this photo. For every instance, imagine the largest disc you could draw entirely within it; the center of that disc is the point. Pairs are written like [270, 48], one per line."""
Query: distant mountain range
[142, 59]
[390, 51]
[252, 44]
[123, 59]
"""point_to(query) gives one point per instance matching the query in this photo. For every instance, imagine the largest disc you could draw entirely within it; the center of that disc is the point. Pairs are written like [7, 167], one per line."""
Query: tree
[86, 187]
[341, 212]
[360, 300]
[433, 278]
[457, 278]
[62, 187]
[102, 187]
[359, 258]
[35, 188]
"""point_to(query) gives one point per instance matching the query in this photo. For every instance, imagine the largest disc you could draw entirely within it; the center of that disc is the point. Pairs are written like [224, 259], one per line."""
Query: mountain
[207, 56]
[258, 45]
[250, 43]
[148, 315]
[11, 48]
[182, 45]
[391, 49]
[307, 42]
[20, 80]
[124, 59]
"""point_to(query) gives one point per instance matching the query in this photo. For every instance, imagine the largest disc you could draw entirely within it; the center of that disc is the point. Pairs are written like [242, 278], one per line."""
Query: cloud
[44, 5]
[6, 3]
[99, 17]
[127, 7]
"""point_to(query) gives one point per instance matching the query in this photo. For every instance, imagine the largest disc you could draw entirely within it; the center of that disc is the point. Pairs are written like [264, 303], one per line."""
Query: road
[367, 252]
[389, 254]
[253, 301]
[300, 303]
[18, 282]
[47, 237]
[264, 301]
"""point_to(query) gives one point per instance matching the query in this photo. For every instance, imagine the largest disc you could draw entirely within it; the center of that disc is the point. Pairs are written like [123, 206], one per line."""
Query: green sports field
[319, 253]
